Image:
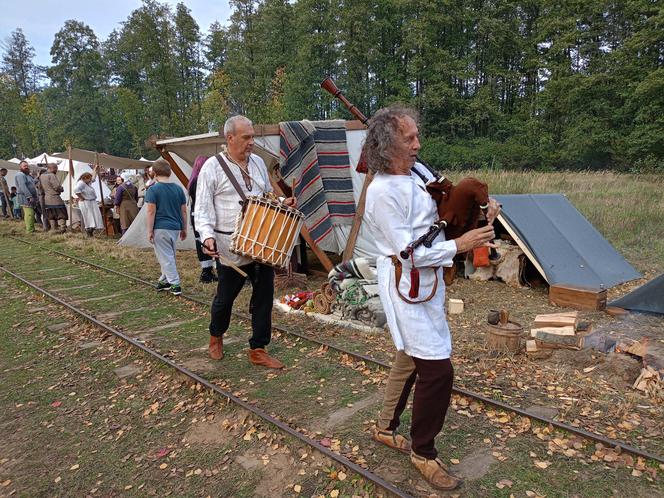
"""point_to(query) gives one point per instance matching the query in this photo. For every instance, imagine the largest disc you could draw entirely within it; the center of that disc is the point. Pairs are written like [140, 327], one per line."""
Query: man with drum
[217, 206]
[398, 211]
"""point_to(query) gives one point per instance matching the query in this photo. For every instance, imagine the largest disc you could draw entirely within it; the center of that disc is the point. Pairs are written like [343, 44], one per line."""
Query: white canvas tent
[137, 234]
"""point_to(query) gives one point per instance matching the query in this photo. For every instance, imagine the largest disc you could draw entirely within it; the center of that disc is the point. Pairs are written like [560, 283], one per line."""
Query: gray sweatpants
[164, 249]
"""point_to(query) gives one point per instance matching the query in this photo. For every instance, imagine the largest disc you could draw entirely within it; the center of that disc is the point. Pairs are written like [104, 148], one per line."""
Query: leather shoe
[259, 356]
[392, 439]
[216, 347]
[435, 472]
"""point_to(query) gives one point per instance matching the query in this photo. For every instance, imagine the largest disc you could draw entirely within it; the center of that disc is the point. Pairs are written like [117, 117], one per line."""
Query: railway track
[51, 277]
[162, 357]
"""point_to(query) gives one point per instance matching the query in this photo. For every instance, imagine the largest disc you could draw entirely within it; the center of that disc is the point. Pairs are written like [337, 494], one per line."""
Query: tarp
[566, 247]
[649, 297]
[105, 160]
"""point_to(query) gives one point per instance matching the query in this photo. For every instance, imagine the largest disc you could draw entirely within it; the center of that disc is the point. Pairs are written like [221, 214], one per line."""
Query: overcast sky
[41, 19]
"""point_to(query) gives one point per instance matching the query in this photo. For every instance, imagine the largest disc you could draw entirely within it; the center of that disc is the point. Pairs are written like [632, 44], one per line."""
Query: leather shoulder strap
[231, 176]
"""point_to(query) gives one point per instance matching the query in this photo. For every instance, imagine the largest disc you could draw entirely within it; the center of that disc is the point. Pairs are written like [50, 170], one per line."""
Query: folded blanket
[315, 156]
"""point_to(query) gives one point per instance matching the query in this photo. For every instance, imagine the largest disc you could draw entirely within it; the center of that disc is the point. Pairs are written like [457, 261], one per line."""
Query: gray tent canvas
[649, 297]
[561, 243]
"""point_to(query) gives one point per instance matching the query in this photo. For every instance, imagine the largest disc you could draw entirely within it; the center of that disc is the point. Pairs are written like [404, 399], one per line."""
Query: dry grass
[626, 208]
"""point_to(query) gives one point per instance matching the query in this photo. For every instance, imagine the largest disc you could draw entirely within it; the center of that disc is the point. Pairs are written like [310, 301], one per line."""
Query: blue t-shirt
[168, 198]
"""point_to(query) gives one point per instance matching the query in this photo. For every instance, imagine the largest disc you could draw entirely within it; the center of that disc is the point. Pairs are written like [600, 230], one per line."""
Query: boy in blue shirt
[167, 219]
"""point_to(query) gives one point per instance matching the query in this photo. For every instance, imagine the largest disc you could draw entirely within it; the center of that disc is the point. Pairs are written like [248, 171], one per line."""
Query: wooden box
[578, 297]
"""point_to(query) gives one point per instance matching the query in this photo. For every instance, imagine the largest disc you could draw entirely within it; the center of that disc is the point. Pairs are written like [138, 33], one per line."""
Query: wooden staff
[101, 193]
[71, 174]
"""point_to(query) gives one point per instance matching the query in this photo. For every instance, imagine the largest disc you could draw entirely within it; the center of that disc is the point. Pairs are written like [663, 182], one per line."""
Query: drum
[266, 231]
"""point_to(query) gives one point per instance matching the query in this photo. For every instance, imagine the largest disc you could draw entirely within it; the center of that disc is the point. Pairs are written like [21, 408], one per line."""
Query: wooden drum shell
[267, 231]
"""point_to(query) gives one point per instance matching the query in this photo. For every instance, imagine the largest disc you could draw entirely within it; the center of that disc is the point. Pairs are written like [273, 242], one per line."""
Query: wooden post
[71, 197]
[357, 222]
[174, 167]
[101, 194]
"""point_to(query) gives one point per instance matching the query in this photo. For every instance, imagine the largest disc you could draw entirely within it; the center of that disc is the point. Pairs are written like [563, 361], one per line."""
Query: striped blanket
[315, 156]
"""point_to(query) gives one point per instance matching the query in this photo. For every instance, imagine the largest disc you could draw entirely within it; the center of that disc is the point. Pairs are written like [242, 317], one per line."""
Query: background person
[5, 199]
[56, 212]
[126, 203]
[207, 263]
[16, 206]
[27, 195]
[116, 212]
[167, 219]
[88, 205]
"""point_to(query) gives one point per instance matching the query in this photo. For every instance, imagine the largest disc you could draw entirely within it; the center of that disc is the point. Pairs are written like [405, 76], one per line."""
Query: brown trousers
[433, 381]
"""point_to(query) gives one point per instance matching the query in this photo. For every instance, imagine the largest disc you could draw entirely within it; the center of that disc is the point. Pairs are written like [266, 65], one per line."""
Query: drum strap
[231, 176]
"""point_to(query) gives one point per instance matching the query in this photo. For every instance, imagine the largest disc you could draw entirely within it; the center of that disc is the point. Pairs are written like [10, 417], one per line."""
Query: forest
[510, 84]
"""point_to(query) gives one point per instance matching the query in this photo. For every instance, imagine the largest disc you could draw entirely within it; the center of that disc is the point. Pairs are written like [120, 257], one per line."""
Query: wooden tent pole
[71, 197]
[320, 254]
[357, 221]
[174, 167]
[101, 194]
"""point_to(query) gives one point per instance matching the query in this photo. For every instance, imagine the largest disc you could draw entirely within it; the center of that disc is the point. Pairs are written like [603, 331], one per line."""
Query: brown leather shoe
[259, 356]
[392, 439]
[435, 472]
[216, 347]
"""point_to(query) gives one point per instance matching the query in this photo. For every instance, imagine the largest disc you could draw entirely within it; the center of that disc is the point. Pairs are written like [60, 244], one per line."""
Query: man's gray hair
[229, 125]
[384, 130]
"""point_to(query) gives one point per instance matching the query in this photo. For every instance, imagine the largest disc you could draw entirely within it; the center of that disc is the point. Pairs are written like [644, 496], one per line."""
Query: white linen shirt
[399, 210]
[218, 203]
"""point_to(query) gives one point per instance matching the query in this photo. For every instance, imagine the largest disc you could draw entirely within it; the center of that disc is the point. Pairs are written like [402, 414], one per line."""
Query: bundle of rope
[322, 305]
[327, 290]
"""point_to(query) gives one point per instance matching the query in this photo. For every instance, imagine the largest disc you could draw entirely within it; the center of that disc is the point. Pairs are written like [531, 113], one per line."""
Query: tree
[78, 77]
[17, 63]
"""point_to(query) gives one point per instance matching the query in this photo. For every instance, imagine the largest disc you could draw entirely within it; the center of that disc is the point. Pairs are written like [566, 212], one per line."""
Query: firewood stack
[556, 331]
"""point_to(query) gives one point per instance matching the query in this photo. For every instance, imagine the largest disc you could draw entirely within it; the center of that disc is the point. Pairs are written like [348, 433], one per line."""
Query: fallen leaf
[58, 479]
[334, 493]
[542, 464]
[163, 452]
[504, 483]
[455, 461]
[341, 476]
[7, 482]
[74, 467]
[297, 488]
[325, 442]
[637, 473]
[589, 369]
[56, 404]
[163, 466]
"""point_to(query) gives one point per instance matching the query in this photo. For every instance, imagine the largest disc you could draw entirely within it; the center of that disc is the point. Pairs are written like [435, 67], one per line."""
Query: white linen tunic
[89, 207]
[399, 210]
[218, 203]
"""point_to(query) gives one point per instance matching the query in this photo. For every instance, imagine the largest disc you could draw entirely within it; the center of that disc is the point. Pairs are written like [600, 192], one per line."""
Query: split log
[556, 320]
[547, 340]
[568, 330]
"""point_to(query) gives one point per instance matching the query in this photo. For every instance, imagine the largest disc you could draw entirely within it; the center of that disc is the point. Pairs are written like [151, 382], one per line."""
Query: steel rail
[459, 390]
[342, 460]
